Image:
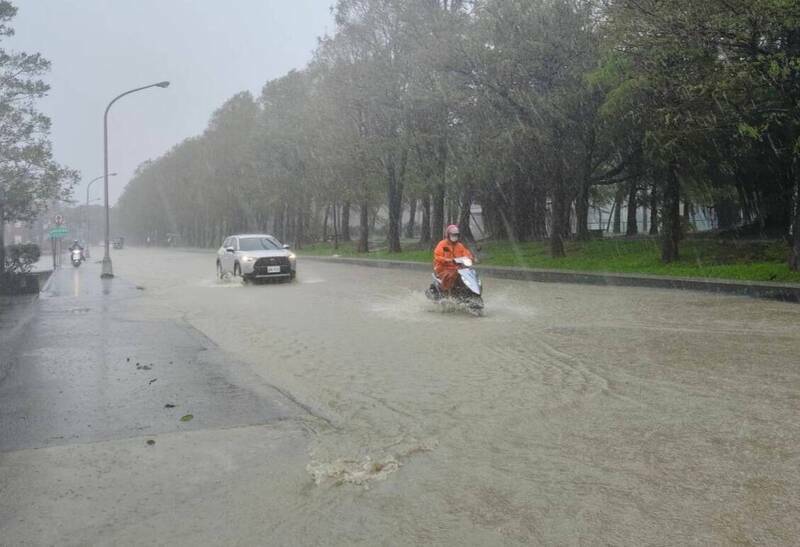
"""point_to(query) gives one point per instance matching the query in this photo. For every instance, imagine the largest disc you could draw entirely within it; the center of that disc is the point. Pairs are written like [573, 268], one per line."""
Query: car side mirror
[287, 247]
[230, 250]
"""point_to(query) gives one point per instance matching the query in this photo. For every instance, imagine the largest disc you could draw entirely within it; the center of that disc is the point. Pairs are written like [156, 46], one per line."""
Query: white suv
[255, 257]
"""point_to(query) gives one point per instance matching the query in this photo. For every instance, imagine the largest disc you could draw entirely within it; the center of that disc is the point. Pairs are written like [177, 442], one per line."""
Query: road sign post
[57, 234]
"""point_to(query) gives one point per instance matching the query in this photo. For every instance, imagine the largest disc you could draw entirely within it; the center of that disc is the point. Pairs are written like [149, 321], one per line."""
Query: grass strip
[704, 258]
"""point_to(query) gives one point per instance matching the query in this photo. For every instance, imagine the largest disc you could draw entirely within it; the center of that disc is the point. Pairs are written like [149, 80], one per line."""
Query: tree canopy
[533, 110]
[29, 177]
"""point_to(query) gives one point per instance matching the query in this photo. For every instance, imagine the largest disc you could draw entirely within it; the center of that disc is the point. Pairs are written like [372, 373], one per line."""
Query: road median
[787, 292]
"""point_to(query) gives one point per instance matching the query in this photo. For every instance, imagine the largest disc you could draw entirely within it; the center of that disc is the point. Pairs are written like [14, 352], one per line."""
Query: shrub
[21, 258]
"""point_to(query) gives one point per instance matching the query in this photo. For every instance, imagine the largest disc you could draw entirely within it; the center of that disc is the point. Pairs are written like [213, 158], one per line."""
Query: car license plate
[273, 269]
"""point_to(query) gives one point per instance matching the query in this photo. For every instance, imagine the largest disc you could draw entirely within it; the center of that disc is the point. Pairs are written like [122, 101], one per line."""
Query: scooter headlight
[467, 262]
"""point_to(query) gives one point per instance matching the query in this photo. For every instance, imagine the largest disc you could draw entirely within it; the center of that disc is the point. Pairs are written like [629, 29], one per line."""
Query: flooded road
[568, 415]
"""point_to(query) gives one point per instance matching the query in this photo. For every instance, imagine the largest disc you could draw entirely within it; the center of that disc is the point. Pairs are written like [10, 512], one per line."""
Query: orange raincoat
[444, 267]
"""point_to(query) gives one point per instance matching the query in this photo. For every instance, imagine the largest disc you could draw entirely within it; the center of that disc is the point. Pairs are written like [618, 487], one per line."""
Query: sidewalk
[788, 292]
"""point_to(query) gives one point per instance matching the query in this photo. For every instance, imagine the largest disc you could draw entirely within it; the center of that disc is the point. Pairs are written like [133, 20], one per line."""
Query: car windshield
[259, 244]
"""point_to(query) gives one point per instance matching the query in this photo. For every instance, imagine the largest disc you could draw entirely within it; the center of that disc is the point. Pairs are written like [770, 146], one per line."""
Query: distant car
[255, 257]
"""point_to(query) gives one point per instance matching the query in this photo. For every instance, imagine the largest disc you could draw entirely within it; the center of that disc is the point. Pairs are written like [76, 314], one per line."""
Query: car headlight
[248, 258]
[292, 256]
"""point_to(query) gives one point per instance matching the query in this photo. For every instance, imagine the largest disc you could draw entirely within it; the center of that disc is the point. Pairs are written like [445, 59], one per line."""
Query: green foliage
[705, 258]
[29, 177]
[533, 109]
[21, 258]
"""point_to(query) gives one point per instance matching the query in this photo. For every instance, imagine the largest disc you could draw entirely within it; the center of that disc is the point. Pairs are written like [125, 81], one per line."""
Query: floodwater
[568, 415]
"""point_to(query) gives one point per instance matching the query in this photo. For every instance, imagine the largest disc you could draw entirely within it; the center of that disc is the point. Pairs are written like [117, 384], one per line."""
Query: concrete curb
[789, 292]
[44, 277]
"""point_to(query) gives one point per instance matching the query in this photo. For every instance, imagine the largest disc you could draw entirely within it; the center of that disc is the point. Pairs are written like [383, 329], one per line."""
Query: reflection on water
[76, 282]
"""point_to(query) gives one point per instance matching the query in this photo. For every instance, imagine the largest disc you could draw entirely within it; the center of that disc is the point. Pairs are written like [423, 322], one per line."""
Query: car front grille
[261, 265]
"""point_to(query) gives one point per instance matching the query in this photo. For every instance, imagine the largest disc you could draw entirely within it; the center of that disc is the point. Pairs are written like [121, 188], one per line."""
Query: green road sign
[59, 232]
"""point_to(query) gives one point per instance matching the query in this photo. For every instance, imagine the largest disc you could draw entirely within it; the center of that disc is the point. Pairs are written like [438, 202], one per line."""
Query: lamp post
[88, 216]
[108, 271]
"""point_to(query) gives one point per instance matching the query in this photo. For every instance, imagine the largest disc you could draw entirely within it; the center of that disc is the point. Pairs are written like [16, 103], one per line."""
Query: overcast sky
[208, 49]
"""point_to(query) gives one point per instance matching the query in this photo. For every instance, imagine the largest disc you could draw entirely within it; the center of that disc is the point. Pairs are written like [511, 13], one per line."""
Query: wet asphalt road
[568, 415]
[77, 370]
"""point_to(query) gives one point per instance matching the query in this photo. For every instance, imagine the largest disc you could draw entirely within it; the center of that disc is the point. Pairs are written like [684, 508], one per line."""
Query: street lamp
[88, 187]
[108, 271]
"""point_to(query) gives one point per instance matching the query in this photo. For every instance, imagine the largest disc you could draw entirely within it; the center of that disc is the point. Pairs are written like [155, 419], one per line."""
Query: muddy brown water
[568, 415]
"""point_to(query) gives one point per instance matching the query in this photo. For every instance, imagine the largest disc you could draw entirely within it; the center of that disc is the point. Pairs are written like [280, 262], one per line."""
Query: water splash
[357, 472]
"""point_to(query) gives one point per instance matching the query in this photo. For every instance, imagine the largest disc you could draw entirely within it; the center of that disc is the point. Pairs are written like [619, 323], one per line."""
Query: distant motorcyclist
[444, 256]
[76, 245]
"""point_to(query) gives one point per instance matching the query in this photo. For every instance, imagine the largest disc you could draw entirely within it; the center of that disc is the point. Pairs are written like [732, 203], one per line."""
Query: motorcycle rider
[76, 245]
[444, 256]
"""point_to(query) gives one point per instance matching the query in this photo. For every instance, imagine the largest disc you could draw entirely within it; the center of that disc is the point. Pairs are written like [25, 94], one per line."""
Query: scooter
[77, 257]
[465, 294]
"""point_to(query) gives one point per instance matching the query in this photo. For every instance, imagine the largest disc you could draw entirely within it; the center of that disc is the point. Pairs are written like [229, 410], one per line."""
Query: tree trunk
[394, 198]
[346, 221]
[300, 228]
[567, 219]
[582, 202]
[363, 236]
[335, 226]
[618, 210]
[557, 223]
[582, 210]
[325, 224]
[671, 218]
[425, 227]
[277, 223]
[437, 218]
[539, 228]
[794, 256]
[558, 210]
[632, 226]
[288, 224]
[3, 238]
[412, 214]
[653, 211]
[465, 216]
